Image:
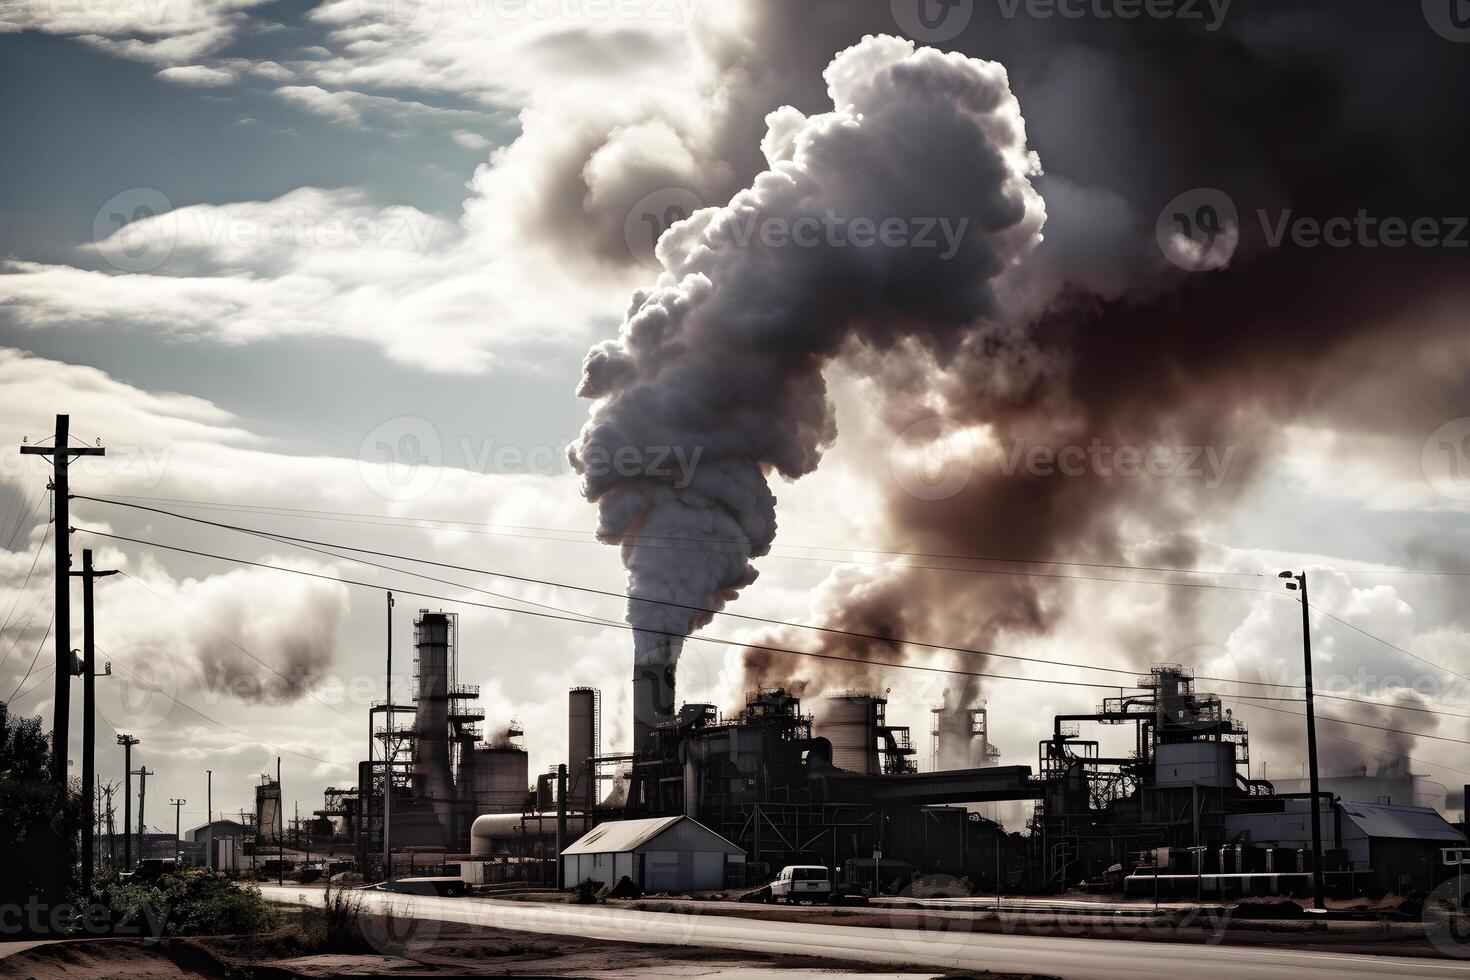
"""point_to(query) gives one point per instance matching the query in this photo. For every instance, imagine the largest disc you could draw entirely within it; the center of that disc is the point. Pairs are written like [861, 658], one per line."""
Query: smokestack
[714, 384]
[582, 732]
[654, 657]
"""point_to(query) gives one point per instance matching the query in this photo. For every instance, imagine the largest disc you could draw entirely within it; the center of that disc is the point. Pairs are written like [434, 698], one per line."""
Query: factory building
[831, 781]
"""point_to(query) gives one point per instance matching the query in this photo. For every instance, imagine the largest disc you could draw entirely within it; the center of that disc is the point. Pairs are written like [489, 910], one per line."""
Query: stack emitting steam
[882, 221]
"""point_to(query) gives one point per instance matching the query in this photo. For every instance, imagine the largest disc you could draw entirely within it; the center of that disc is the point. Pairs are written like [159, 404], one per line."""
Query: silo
[582, 738]
[502, 776]
[850, 722]
[433, 638]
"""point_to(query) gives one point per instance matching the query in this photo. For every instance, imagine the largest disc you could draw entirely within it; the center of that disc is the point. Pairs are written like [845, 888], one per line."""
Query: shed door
[660, 871]
[709, 870]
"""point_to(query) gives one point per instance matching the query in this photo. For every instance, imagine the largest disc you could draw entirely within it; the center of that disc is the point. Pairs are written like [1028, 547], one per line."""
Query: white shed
[660, 854]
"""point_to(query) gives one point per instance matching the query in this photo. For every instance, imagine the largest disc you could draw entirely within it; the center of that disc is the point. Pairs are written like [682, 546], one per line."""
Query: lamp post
[1298, 582]
[209, 818]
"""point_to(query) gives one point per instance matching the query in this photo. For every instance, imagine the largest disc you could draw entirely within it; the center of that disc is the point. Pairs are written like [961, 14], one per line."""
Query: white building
[660, 854]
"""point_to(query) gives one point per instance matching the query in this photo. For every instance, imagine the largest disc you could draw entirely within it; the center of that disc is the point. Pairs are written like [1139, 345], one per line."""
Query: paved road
[1093, 959]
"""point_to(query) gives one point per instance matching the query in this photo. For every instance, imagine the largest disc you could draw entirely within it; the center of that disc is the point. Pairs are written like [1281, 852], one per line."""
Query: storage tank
[1204, 763]
[433, 637]
[850, 722]
[501, 779]
[582, 738]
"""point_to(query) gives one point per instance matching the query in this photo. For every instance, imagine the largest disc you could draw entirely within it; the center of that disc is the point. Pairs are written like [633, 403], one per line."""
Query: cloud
[198, 75]
[444, 297]
[163, 32]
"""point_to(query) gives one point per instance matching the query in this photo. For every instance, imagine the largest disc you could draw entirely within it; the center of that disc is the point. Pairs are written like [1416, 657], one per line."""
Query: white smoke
[721, 360]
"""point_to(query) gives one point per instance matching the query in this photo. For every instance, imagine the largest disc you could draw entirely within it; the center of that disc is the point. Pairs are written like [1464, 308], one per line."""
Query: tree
[39, 822]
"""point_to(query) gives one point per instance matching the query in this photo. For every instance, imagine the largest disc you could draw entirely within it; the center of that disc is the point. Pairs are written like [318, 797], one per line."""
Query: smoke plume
[721, 360]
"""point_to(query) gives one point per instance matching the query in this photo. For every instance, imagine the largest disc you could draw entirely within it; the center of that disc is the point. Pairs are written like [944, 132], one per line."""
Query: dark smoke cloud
[1094, 336]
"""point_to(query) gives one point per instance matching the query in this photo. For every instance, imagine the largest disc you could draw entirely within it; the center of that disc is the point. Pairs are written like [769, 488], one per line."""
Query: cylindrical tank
[850, 722]
[654, 656]
[501, 777]
[581, 747]
[431, 775]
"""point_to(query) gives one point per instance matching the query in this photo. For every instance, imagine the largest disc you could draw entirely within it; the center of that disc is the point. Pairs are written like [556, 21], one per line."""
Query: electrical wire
[230, 641]
[576, 618]
[215, 721]
[390, 521]
[40, 546]
[703, 610]
[581, 619]
[36, 656]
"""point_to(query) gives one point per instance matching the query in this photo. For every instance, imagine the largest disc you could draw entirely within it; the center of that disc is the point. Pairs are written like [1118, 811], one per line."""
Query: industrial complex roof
[1406, 822]
[621, 836]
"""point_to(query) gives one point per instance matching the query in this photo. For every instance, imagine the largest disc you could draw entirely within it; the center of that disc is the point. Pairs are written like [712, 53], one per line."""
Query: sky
[333, 270]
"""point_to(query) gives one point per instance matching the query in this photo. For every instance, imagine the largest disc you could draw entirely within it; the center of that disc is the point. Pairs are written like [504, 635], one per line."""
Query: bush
[199, 902]
[39, 820]
[340, 924]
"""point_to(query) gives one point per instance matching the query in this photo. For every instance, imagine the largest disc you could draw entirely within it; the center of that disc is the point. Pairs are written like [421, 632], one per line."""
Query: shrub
[199, 902]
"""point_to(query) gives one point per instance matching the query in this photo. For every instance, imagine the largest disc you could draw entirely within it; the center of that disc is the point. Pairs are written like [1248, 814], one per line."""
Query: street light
[1299, 582]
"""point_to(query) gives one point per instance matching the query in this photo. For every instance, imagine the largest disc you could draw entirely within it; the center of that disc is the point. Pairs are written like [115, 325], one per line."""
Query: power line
[40, 546]
[1362, 724]
[233, 643]
[37, 654]
[1391, 646]
[385, 520]
[307, 544]
[573, 618]
[583, 620]
[850, 634]
[215, 721]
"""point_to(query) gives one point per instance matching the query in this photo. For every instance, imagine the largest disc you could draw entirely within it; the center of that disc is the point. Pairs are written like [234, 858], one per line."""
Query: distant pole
[561, 819]
[209, 818]
[143, 773]
[1319, 891]
[388, 754]
[61, 455]
[127, 742]
[178, 840]
[280, 837]
[88, 575]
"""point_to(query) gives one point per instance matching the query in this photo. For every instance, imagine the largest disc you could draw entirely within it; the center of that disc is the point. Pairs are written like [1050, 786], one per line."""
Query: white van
[802, 883]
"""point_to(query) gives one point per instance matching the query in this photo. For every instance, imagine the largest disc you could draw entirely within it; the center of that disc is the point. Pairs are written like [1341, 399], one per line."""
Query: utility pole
[88, 575]
[143, 773]
[1319, 896]
[209, 818]
[280, 837]
[389, 752]
[178, 852]
[111, 829]
[127, 742]
[61, 455]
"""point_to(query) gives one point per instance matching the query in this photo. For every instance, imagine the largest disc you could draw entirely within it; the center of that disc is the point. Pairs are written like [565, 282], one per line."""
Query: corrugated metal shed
[618, 836]
[1401, 822]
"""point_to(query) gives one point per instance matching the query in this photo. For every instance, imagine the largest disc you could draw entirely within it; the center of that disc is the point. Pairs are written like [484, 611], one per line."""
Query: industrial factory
[830, 781]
